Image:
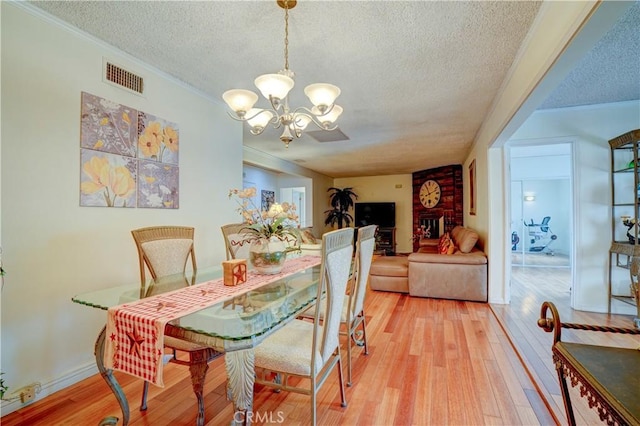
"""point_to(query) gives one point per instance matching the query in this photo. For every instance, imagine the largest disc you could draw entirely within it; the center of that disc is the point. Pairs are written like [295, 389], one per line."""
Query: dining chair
[353, 316]
[164, 251]
[236, 241]
[311, 350]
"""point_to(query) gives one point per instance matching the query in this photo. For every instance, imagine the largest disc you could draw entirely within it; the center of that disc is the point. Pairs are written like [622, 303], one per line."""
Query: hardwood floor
[540, 259]
[530, 287]
[430, 362]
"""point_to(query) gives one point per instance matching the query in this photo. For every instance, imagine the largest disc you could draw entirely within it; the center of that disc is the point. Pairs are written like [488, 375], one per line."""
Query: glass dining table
[233, 326]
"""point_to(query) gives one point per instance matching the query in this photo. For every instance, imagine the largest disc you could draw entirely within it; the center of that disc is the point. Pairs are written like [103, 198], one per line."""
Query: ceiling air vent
[328, 135]
[123, 78]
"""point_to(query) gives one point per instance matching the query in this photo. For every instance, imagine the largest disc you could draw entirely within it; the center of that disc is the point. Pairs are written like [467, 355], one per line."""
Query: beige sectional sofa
[461, 275]
[309, 243]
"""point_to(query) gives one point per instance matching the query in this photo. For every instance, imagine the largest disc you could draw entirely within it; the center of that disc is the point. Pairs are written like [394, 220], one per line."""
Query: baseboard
[70, 378]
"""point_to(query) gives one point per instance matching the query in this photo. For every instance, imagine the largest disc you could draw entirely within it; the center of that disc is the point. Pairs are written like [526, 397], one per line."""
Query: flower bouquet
[272, 233]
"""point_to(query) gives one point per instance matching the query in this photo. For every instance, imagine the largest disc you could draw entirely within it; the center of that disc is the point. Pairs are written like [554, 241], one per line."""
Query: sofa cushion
[389, 273]
[395, 284]
[475, 257]
[464, 238]
[307, 237]
[390, 266]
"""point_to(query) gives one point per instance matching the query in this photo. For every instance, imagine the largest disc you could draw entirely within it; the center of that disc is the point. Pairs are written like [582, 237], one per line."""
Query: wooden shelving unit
[625, 213]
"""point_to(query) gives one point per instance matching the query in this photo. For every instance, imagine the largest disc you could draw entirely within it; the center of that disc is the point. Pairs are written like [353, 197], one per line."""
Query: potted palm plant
[341, 201]
[3, 387]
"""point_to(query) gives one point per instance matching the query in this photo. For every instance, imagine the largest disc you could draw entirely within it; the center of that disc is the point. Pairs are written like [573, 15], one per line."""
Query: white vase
[268, 255]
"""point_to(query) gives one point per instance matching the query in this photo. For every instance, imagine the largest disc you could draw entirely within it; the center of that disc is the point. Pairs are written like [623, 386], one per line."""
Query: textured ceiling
[610, 72]
[417, 78]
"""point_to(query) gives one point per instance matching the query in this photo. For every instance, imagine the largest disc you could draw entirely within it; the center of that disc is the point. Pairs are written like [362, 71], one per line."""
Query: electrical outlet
[28, 394]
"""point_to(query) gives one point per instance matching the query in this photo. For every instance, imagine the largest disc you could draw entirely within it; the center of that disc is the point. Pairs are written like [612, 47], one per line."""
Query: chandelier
[275, 88]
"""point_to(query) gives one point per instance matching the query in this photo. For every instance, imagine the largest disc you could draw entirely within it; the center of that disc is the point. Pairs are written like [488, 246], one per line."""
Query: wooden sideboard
[609, 377]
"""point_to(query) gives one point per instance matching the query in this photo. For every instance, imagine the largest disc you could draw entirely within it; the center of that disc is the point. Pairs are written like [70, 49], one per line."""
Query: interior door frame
[573, 205]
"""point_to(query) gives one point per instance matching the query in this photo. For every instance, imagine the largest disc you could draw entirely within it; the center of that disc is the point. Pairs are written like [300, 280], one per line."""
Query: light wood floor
[539, 259]
[430, 362]
[530, 287]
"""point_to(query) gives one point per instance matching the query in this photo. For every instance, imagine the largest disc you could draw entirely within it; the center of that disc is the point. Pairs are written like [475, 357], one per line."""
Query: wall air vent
[123, 78]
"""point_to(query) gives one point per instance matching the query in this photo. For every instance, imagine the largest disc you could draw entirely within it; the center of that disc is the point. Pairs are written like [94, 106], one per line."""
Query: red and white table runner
[135, 331]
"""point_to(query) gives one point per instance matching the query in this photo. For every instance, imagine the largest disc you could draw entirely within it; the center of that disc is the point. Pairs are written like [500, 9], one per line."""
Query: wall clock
[430, 193]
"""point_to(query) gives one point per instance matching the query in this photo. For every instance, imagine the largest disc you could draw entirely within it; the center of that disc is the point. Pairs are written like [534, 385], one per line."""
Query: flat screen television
[381, 214]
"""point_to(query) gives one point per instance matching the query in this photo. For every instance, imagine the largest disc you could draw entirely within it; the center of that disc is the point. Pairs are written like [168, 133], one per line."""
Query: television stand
[386, 240]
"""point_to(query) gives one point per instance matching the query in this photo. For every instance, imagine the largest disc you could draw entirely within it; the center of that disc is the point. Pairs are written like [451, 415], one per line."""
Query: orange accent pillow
[452, 247]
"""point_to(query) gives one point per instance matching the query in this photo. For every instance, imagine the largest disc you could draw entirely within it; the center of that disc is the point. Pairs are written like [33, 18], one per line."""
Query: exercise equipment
[540, 236]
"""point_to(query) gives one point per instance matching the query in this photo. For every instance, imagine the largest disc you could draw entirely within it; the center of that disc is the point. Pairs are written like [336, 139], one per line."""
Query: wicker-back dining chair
[164, 251]
[236, 241]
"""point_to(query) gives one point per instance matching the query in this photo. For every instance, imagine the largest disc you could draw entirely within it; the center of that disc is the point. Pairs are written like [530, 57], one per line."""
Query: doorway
[295, 196]
[541, 218]
[540, 222]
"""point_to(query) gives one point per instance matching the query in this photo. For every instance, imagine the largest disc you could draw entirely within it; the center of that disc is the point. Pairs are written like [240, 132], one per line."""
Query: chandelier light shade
[240, 101]
[275, 88]
[261, 118]
[322, 95]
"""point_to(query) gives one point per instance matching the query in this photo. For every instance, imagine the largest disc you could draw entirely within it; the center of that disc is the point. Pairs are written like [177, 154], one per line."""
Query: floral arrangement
[280, 221]
[421, 232]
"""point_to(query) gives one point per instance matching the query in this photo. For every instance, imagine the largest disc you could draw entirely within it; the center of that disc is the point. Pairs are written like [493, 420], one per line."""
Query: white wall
[317, 203]
[275, 181]
[393, 188]
[53, 249]
[591, 128]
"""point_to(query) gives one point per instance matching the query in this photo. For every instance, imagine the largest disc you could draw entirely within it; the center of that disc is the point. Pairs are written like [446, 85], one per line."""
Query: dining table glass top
[245, 316]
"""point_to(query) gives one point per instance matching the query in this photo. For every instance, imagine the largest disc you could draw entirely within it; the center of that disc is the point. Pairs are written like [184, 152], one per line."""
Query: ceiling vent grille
[123, 78]
[328, 135]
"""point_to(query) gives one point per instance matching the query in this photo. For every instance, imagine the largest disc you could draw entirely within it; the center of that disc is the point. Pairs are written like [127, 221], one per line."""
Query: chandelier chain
[275, 88]
[286, 34]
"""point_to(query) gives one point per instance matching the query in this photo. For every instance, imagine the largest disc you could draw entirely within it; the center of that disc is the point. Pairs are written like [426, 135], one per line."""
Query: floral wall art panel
[107, 180]
[472, 188]
[157, 139]
[108, 126]
[128, 157]
[158, 185]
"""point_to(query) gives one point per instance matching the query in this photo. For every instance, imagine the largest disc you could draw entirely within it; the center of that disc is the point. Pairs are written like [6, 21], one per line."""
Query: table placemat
[135, 331]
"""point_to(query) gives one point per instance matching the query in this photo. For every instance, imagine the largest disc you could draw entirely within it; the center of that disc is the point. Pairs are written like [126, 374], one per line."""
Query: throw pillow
[442, 240]
[467, 240]
[444, 248]
[452, 247]
[307, 237]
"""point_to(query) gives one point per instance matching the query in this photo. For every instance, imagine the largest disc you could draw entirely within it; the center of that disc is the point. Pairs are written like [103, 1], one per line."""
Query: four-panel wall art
[128, 158]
